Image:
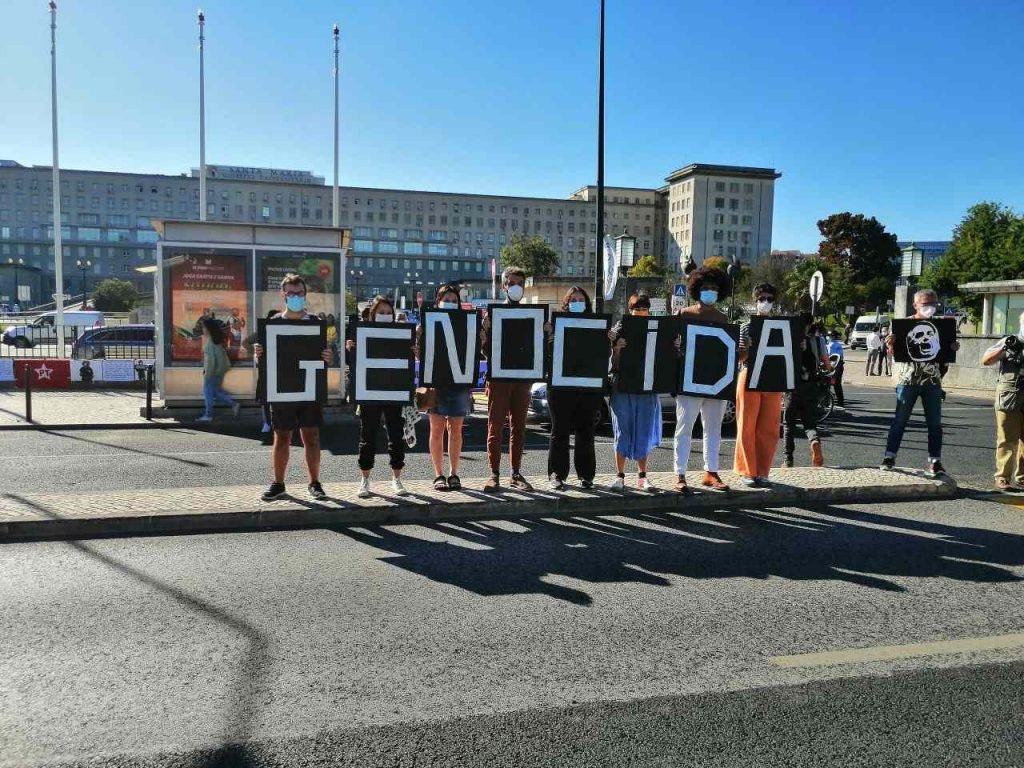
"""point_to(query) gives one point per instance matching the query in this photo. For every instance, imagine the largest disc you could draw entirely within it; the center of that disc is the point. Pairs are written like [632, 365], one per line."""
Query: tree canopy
[859, 244]
[113, 295]
[647, 266]
[531, 254]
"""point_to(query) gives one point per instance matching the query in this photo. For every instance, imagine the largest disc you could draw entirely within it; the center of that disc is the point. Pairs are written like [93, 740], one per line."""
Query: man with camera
[1008, 353]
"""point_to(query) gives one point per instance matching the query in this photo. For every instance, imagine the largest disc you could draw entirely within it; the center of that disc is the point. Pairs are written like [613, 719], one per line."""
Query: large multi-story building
[402, 240]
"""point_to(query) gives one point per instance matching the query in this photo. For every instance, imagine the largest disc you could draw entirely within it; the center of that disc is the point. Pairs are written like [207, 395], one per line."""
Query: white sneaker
[396, 487]
[645, 484]
[555, 484]
[364, 488]
[205, 418]
[265, 428]
[619, 484]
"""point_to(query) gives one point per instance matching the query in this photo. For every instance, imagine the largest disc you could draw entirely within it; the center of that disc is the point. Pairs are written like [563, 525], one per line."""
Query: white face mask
[928, 310]
[514, 292]
[384, 318]
[448, 305]
[764, 307]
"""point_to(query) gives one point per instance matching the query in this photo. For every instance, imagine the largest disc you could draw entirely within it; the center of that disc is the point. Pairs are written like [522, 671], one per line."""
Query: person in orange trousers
[758, 414]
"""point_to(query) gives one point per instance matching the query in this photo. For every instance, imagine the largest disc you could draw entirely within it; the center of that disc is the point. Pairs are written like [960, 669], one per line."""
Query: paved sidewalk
[854, 375]
[232, 508]
[112, 408]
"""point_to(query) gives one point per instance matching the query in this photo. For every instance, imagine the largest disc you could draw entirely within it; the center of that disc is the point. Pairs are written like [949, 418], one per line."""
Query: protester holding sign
[285, 418]
[381, 311]
[706, 286]
[215, 366]
[507, 401]
[802, 402]
[1008, 354]
[452, 403]
[757, 412]
[636, 419]
[573, 411]
[919, 378]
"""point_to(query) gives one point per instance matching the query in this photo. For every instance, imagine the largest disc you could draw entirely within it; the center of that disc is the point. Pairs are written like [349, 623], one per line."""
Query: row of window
[734, 187]
[734, 204]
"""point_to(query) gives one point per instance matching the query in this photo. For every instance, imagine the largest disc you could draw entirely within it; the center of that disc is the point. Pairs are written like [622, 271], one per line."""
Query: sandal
[454, 483]
[440, 483]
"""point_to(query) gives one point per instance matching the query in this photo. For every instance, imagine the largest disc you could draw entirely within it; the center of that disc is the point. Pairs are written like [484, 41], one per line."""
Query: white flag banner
[611, 268]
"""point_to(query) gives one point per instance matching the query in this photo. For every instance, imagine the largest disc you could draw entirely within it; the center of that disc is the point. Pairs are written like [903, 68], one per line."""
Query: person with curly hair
[706, 286]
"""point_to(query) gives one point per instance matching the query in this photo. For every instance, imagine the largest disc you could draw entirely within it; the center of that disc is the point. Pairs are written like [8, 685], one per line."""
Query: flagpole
[336, 218]
[202, 119]
[58, 246]
[599, 274]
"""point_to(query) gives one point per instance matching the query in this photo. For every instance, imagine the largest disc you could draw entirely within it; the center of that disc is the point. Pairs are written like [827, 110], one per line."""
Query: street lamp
[412, 279]
[625, 256]
[733, 271]
[83, 265]
[16, 263]
[356, 275]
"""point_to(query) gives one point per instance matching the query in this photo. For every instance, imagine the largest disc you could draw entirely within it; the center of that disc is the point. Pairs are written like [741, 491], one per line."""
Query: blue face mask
[577, 306]
[708, 297]
[448, 305]
[295, 303]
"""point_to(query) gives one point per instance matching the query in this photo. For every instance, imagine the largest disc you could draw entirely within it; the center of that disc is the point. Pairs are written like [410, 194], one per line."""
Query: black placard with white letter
[383, 371]
[924, 341]
[709, 359]
[450, 354]
[579, 354]
[773, 359]
[515, 348]
[292, 365]
[649, 362]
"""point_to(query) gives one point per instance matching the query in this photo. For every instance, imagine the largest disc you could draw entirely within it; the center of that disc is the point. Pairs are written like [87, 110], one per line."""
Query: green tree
[351, 303]
[531, 254]
[840, 290]
[988, 244]
[647, 266]
[716, 262]
[860, 244]
[113, 295]
[769, 270]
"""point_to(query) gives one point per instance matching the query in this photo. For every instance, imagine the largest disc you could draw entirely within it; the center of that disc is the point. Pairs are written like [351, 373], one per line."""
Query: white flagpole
[336, 218]
[58, 247]
[202, 121]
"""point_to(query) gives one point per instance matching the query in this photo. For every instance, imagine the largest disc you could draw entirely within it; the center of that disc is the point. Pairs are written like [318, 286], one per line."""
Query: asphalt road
[648, 640]
[237, 454]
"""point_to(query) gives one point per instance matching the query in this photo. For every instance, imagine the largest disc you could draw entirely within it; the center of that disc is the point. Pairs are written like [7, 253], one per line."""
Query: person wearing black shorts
[285, 418]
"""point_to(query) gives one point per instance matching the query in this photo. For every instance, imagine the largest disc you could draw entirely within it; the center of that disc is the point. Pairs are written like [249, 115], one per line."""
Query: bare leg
[311, 442]
[454, 442]
[437, 443]
[282, 445]
[620, 463]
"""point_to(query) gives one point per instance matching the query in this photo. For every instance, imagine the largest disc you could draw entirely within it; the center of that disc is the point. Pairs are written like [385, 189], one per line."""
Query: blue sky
[909, 111]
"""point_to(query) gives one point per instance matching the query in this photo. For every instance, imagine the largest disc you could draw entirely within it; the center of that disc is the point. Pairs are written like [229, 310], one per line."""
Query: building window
[362, 246]
[412, 249]
[717, 235]
[719, 186]
[719, 202]
[362, 232]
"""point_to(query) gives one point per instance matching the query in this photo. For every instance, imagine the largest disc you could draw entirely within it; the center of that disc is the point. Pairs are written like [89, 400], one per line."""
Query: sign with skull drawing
[924, 341]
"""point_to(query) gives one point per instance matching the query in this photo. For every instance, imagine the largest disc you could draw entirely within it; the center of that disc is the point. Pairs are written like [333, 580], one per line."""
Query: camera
[1013, 350]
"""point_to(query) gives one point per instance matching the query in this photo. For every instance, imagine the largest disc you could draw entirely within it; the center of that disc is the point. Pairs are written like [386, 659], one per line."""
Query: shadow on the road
[56, 432]
[823, 543]
[248, 683]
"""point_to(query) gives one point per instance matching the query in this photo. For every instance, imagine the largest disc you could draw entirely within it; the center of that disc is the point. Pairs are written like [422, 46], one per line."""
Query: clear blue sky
[909, 111]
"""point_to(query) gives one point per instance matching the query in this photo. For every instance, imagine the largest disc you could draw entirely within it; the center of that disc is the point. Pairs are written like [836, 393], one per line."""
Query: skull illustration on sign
[923, 343]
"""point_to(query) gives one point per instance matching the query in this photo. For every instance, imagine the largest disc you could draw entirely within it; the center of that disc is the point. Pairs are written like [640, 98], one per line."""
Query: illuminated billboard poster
[319, 271]
[207, 285]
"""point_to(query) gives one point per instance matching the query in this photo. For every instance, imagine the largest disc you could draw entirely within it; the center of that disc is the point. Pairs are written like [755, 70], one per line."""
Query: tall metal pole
[202, 120]
[599, 276]
[58, 246]
[336, 218]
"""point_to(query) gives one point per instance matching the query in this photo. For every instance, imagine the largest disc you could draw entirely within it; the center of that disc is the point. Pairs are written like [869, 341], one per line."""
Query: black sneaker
[935, 470]
[788, 463]
[316, 490]
[888, 463]
[275, 491]
[586, 483]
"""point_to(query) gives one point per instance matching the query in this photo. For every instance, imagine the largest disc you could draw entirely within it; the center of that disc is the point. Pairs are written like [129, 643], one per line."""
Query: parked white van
[863, 327]
[42, 330]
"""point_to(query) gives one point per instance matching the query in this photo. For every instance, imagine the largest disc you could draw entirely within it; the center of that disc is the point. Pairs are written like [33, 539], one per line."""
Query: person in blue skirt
[636, 419]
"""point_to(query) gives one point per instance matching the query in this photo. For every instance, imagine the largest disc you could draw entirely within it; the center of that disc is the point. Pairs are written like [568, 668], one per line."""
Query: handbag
[426, 398]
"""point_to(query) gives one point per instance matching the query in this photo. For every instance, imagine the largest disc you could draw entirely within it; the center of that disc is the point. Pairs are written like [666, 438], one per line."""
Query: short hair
[639, 298]
[926, 292]
[568, 296]
[764, 288]
[442, 290]
[509, 272]
[702, 275]
[292, 279]
[377, 301]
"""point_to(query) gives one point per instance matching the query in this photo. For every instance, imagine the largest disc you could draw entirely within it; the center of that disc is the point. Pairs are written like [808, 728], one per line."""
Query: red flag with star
[46, 374]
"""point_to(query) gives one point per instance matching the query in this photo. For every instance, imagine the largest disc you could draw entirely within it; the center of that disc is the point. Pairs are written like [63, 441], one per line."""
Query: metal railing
[19, 340]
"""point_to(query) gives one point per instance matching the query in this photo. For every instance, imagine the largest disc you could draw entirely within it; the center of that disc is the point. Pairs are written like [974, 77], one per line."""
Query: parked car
[43, 330]
[128, 342]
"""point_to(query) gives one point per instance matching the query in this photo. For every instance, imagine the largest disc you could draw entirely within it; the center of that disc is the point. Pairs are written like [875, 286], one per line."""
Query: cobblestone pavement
[120, 407]
[240, 507]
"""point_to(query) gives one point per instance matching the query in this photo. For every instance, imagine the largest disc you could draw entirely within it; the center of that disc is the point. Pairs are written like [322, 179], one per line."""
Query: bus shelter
[232, 272]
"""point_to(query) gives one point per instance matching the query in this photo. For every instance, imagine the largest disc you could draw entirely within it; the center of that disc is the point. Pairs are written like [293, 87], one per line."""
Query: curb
[307, 514]
[27, 427]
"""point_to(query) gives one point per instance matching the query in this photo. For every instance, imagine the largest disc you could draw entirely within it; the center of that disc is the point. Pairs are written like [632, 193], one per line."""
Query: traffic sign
[817, 286]
[679, 289]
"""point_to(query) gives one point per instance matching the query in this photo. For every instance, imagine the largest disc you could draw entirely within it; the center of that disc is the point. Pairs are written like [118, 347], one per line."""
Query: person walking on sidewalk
[913, 381]
[381, 311]
[757, 413]
[215, 366]
[285, 418]
[572, 412]
[707, 286]
[885, 355]
[874, 346]
[837, 359]
[636, 419]
[801, 402]
[507, 401]
[1008, 354]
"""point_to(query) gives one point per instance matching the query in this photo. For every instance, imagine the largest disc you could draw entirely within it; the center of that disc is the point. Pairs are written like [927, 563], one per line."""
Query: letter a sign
[774, 355]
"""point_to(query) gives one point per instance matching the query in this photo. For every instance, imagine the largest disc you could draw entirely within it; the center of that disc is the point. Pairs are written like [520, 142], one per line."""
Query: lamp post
[412, 279]
[83, 265]
[16, 263]
[356, 274]
[733, 270]
[335, 215]
[201, 20]
[910, 270]
[625, 255]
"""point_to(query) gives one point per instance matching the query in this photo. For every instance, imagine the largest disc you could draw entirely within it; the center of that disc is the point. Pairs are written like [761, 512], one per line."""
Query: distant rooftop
[722, 170]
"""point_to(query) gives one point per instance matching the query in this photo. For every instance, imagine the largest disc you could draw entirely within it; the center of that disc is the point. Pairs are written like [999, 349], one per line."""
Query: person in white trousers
[706, 286]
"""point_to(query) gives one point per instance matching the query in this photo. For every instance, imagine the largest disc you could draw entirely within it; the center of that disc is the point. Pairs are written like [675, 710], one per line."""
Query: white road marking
[909, 651]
